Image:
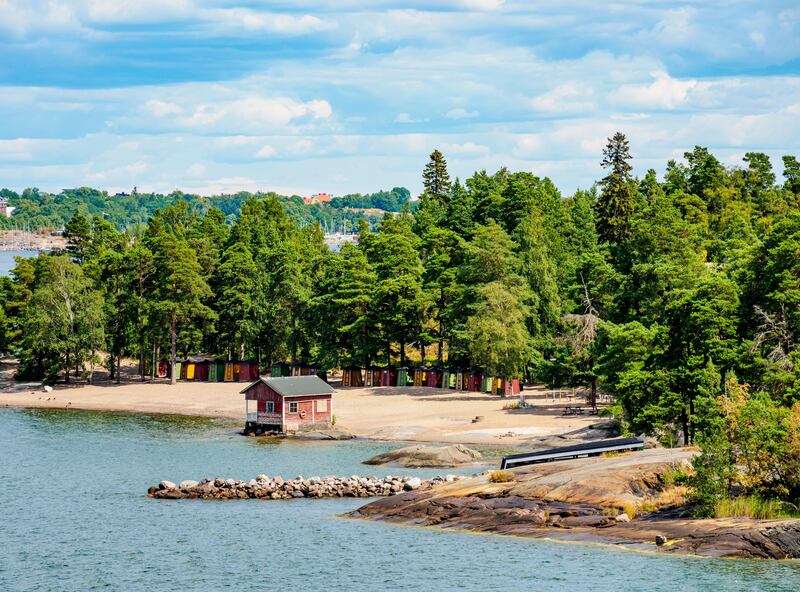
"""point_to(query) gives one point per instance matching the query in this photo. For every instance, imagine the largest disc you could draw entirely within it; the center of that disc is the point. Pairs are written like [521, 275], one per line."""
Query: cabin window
[322, 406]
[270, 407]
[292, 407]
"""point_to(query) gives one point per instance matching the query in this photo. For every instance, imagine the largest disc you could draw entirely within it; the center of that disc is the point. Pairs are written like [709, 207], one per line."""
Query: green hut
[402, 377]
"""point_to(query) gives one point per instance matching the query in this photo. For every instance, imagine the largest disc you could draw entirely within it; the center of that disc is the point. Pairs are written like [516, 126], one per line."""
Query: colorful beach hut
[476, 381]
[202, 369]
[281, 369]
[373, 376]
[216, 371]
[389, 376]
[162, 371]
[418, 377]
[403, 377]
[434, 377]
[248, 370]
[352, 376]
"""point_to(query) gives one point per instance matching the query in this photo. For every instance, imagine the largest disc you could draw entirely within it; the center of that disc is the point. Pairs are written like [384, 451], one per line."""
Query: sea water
[74, 516]
[7, 262]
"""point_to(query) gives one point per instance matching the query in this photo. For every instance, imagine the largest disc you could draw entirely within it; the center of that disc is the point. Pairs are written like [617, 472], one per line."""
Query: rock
[167, 485]
[622, 517]
[47, 388]
[188, 484]
[321, 435]
[412, 484]
[661, 540]
[427, 456]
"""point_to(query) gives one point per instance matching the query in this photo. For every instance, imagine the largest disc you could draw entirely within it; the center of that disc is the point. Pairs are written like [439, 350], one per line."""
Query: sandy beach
[389, 413]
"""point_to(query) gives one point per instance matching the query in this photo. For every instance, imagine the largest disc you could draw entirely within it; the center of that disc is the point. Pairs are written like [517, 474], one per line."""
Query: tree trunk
[292, 338]
[156, 357]
[141, 358]
[119, 369]
[66, 372]
[402, 354]
[440, 354]
[173, 338]
[422, 352]
[685, 427]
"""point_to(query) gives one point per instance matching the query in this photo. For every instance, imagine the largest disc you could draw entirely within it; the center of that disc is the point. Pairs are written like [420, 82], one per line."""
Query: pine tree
[180, 289]
[436, 179]
[791, 172]
[617, 200]
[78, 233]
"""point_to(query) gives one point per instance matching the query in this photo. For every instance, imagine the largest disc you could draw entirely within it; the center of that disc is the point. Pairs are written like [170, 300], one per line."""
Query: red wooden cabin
[288, 404]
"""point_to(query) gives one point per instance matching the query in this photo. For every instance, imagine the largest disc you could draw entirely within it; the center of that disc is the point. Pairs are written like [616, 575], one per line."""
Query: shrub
[751, 506]
[502, 477]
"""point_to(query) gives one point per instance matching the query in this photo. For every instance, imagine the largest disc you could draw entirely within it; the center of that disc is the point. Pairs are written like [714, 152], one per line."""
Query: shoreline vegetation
[674, 296]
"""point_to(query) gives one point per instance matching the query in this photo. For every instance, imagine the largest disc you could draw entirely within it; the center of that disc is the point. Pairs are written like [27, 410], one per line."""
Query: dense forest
[680, 296]
[36, 209]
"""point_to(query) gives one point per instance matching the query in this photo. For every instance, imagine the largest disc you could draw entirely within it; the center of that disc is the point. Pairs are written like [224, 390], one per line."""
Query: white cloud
[138, 11]
[23, 17]
[407, 118]
[481, 4]
[568, 96]
[466, 148]
[664, 92]
[460, 113]
[252, 20]
[266, 151]
[162, 108]
[249, 114]
[20, 17]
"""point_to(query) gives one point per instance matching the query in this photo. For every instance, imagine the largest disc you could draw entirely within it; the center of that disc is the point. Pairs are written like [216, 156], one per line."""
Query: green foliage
[62, 323]
[657, 291]
[617, 200]
[748, 450]
[36, 209]
[436, 179]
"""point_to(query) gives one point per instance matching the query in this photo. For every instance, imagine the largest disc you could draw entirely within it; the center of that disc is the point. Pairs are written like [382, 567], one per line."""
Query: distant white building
[5, 209]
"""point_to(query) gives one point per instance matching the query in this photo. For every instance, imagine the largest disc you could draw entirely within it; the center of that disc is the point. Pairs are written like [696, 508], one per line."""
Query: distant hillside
[37, 209]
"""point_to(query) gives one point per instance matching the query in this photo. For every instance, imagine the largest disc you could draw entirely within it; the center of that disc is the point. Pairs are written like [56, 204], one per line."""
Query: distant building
[318, 198]
[5, 209]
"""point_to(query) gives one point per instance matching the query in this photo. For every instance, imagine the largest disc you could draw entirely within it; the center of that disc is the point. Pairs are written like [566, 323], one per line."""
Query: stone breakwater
[264, 487]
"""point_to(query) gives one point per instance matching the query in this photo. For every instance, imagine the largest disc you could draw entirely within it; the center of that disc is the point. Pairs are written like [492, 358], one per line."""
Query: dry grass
[502, 477]
[668, 498]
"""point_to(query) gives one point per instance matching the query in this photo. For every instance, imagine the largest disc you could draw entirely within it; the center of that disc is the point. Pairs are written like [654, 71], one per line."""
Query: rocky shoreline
[624, 501]
[274, 488]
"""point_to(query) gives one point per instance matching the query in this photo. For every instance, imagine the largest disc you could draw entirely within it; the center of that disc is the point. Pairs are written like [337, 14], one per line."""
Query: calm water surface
[7, 262]
[74, 517]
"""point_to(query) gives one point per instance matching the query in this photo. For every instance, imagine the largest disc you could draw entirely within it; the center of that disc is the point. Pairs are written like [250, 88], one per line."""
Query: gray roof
[295, 386]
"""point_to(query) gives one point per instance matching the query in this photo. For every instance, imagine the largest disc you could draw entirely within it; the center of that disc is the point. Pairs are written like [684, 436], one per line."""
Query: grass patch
[752, 506]
[675, 475]
[502, 477]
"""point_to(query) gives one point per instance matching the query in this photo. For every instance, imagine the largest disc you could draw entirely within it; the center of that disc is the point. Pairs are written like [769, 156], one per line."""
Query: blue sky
[307, 96]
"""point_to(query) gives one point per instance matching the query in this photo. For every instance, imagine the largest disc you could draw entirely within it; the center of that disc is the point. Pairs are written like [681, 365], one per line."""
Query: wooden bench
[595, 448]
[572, 411]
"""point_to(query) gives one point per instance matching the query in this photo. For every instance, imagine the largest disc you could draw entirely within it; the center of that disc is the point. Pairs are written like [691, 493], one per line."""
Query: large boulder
[427, 456]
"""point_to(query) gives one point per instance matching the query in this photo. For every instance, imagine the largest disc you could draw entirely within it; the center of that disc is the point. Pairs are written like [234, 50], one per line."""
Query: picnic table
[569, 410]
